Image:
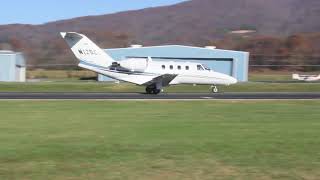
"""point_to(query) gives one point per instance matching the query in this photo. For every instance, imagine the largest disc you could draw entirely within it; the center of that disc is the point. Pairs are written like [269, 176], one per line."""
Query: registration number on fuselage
[88, 52]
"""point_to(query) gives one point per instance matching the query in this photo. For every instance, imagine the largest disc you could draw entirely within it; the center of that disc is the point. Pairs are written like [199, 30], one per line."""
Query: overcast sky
[41, 11]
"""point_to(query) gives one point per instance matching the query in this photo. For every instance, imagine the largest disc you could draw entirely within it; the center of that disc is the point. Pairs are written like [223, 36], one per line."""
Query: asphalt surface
[182, 96]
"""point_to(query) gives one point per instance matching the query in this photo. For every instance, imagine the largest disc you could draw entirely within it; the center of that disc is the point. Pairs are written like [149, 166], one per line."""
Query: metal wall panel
[12, 67]
[7, 67]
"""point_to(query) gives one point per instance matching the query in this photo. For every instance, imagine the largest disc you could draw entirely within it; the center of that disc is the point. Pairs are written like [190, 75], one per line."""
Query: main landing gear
[152, 89]
[214, 89]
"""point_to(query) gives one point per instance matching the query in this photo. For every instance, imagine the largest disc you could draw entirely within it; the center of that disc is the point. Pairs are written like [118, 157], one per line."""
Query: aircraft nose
[232, 80]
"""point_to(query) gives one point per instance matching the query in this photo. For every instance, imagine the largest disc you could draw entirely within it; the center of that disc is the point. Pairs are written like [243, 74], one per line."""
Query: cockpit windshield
[199, 67]
[206, 67]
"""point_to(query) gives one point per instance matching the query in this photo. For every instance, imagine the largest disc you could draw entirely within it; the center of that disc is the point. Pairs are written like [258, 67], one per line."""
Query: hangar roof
[175, 51]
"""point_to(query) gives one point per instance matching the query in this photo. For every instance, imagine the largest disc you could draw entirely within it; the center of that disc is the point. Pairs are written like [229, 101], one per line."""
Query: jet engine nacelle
[134, 64]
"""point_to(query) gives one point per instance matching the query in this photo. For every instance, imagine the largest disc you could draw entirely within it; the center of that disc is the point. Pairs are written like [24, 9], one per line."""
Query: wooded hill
[274, 28]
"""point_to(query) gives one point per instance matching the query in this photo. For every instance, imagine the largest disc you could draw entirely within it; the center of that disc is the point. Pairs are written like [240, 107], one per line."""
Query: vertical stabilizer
[85, 50]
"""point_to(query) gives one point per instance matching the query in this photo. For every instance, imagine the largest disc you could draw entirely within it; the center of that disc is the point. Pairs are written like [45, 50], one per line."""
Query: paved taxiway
[177, 96]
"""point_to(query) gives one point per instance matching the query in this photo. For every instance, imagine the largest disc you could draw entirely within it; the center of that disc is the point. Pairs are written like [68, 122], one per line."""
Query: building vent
[136, 46]
[210, 47]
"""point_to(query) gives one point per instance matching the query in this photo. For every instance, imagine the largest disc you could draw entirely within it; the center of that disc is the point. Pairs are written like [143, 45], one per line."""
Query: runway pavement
[172, 96]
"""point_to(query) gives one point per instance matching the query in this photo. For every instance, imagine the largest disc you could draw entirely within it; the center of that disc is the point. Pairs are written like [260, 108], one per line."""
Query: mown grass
[270, 77]
[59, 74]
[159, 140]
[65, 75]
[87, 86]
[68, 81]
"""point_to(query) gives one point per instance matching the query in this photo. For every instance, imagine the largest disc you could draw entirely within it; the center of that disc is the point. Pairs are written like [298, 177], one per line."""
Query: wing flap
[164, 79]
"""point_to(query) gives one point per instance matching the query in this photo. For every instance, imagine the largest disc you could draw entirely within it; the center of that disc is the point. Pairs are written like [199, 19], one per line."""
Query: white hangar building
[233, 63]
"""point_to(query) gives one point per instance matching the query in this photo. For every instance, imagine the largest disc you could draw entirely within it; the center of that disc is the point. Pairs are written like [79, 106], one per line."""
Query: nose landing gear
[214, 89]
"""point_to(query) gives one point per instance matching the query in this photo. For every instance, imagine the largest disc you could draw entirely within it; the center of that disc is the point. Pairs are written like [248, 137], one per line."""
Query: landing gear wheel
[152, 90]
[215, 89]
[148, 90]
[156, 91]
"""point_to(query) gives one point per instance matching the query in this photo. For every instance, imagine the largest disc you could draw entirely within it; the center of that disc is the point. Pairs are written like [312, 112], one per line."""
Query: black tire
[149, 90]
[156, 91]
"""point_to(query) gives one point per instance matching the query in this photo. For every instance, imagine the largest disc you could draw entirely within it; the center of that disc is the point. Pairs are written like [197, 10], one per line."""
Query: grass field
[68, 81]
[87, 86]
[66, 75]
[270, 77]
[59, 74]
[159, 140]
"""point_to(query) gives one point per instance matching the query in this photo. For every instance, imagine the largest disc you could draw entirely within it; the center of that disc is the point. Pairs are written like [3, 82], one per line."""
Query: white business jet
[152, 74]
[308, 78]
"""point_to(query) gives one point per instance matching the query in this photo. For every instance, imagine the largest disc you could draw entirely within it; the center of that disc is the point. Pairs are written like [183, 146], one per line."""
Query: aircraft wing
[165, 79]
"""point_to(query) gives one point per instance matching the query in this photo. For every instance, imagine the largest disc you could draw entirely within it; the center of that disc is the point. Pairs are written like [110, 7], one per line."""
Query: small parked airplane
[143, 71]
[308, 78]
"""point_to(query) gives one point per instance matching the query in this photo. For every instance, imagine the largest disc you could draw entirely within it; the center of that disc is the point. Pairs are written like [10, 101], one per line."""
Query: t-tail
[86, 51]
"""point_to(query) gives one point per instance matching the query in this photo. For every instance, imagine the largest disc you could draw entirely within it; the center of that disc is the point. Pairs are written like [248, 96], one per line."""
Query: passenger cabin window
[179, 67]
[163, 67]
[200, 68]
[187, 67]
[171, 67]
